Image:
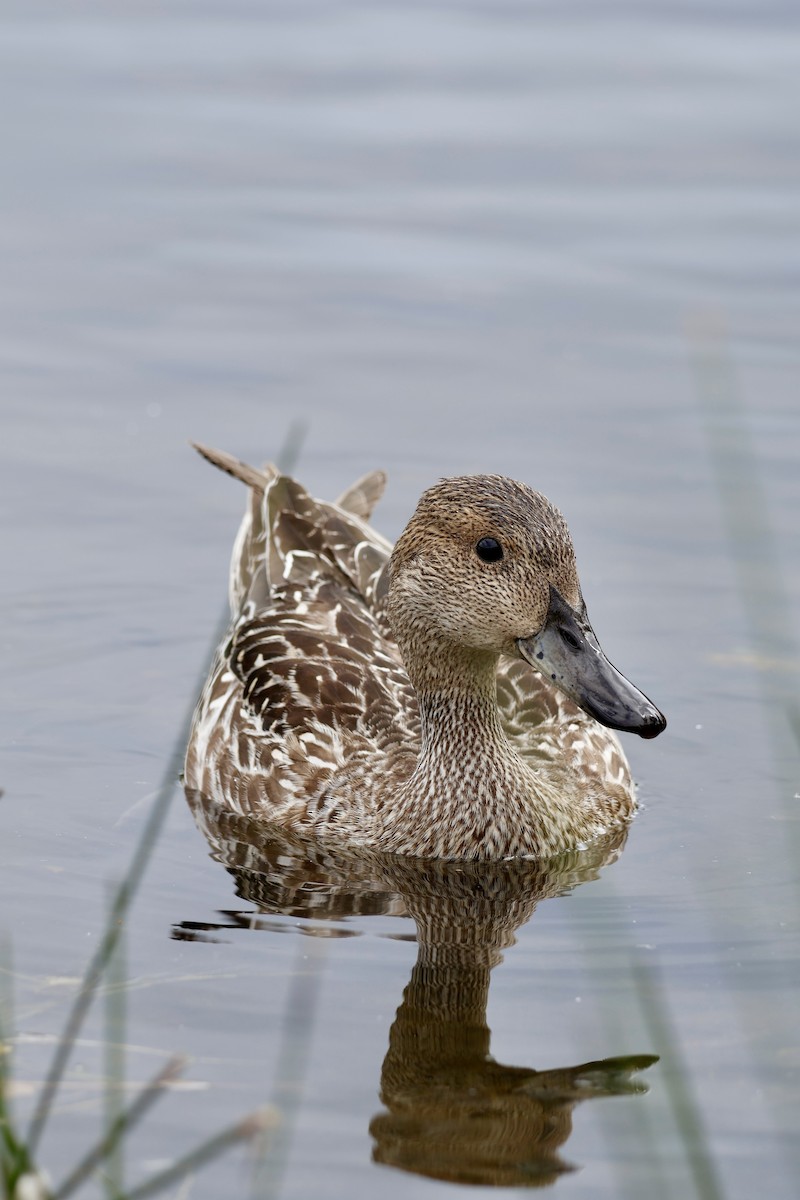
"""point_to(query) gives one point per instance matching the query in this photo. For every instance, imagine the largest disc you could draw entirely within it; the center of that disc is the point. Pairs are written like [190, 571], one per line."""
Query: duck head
[486, 567]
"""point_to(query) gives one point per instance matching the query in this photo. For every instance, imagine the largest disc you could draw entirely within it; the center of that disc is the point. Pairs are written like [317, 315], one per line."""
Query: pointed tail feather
[238, 469]
[285, 533]
[362, 496]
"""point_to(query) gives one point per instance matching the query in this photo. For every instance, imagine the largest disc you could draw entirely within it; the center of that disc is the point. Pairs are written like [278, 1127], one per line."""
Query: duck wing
[311, 646]
[326, 671]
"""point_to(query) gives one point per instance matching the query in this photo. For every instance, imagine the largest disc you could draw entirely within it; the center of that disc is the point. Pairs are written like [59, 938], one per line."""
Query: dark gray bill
[567, 652]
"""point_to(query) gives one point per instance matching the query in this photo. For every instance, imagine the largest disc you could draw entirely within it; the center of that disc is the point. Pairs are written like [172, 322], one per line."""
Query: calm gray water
[450, 237]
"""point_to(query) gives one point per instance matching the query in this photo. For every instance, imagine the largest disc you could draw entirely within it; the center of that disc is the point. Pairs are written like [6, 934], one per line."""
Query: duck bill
[567, 652]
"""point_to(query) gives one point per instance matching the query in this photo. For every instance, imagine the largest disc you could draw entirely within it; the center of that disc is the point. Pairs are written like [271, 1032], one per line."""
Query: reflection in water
[451, 1111]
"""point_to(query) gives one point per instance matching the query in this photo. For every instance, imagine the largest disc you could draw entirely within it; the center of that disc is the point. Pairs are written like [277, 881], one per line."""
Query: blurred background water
[559, 241]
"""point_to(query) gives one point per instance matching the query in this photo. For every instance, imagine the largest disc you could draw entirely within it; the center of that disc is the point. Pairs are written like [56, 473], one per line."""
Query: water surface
[451, 238]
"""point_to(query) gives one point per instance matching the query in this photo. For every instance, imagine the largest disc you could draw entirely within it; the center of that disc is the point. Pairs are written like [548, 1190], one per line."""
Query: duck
[445, 698]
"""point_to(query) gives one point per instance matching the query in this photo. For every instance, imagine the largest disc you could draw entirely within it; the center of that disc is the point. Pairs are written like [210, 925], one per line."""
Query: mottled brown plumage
[379, 698]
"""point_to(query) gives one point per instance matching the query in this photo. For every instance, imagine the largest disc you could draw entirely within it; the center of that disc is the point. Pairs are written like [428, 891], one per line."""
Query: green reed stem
[114, 1044]
[764, 596]
[754, 552]
[119, 1128]
[295, 1045]
[126, 891]
[675, 1072]
[256, 1124]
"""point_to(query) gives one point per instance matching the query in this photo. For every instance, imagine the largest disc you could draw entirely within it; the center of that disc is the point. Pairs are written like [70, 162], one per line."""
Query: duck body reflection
[443, 699]
[451, 1112]
[456, 1114]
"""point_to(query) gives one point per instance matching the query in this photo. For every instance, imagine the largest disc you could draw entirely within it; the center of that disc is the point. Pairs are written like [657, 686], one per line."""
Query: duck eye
[489, 550]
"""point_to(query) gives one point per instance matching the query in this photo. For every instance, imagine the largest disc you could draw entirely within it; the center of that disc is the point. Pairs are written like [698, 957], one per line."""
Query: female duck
[438, 700]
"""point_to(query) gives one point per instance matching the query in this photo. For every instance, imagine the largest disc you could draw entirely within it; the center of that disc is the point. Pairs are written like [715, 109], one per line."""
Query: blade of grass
[120, 1127]
[292, 446]
[127, 889]
[99, 961]
[767, 609]
[642, 1131]
[298, 1021]
[258, 1123]
[686, 1111]
[754, 552]
[114, 1045]
[14, 1159]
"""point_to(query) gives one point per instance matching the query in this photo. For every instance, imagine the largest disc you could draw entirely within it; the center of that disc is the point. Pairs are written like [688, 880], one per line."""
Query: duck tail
[247, 579]
[362, 496]
[254, 478]
[286, 535]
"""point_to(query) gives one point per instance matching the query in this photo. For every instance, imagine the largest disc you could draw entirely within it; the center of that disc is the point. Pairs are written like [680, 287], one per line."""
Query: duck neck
[457, 694]
[470, 794]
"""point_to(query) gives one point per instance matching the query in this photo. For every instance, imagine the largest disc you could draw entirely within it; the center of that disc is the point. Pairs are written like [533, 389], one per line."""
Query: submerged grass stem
[17, 1154]
[686, 1111]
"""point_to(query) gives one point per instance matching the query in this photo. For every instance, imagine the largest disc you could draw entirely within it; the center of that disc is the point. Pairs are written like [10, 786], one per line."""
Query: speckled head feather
[439, 583]
[418, 704]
